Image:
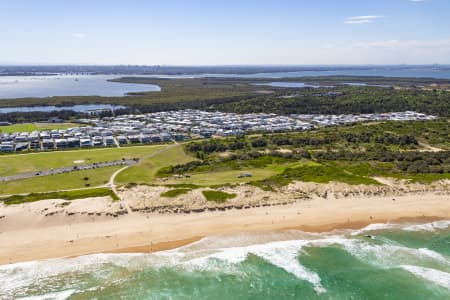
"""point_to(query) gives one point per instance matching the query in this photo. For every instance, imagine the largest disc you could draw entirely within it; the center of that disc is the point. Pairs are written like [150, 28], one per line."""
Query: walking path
[112, 184]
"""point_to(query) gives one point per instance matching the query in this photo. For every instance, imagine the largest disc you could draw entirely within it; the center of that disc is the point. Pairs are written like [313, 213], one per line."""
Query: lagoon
[49, 108]
[294, 85]
[12, 87]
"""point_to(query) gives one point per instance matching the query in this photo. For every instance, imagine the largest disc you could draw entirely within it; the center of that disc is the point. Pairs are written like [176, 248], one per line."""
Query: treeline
[409, 161]
[298, 140]
[39, 116]
[215, 145]
[353, 100]
[336, 137]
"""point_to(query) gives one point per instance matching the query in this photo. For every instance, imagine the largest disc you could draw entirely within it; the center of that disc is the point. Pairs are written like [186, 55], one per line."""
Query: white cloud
[417, 0]
[362, 19]
[78, 35]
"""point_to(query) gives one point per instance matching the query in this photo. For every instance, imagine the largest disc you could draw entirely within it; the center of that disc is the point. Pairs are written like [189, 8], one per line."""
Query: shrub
[174, 193]
[218, 196]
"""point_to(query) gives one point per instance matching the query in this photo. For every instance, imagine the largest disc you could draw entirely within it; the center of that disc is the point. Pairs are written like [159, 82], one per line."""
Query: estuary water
[418, 72]
[47, 108]
[381, 261]
[67, 85]
[98, 85]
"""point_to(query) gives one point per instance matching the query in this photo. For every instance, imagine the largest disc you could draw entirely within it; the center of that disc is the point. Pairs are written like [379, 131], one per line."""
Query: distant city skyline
[264, 32]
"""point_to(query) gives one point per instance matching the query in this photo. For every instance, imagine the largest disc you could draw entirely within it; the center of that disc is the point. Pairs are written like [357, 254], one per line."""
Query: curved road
[112, 184]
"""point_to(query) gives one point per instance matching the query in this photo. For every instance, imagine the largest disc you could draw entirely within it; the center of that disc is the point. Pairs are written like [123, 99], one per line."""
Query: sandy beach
[32, 231]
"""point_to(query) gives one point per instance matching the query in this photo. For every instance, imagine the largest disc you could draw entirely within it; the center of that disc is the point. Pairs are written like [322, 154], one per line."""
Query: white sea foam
[435, 276]
[374, 227]
[52, 296]
[391, 255]
[282, 254]
[16, 276]
[428, 227]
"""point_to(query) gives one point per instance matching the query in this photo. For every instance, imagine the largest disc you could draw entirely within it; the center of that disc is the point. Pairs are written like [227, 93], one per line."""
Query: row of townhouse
[180, 125]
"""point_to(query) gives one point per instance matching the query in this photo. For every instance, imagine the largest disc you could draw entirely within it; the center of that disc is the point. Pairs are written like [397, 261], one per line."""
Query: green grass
[312, 172]
[225, 173]
[325, 174]
[386, 169]
[427, 178]
[224, 177]
[29, 127]
[183, 186]
[145, 171]
[175, 193]
[31, 162]
[66, 195]
[218, 196]
[73, 180]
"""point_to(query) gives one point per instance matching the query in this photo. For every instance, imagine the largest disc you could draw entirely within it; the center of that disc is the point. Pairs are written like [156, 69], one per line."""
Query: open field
[223, 177]
[20, 163]
[29, 127]
[72, 180]
[66, 195]
[146, 170]
[231, 174]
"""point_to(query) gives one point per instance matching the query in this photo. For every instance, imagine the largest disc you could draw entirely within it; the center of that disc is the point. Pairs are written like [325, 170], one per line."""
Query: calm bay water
[97, 85]
[47, 108]
[386, 72]
[67, 85]
[394, 262]
[291, 85]
[419, 72]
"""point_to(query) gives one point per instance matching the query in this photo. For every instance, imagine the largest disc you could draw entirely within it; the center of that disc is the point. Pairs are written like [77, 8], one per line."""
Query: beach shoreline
[27, 235]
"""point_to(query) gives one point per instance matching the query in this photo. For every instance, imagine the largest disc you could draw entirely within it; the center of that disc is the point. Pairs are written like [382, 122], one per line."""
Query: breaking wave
[226, 254]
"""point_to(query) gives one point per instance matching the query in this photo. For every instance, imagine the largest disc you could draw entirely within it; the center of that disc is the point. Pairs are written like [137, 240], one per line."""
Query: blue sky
[200, 32]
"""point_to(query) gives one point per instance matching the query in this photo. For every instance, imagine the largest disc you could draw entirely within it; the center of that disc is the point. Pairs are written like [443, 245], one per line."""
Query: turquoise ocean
[381, 261]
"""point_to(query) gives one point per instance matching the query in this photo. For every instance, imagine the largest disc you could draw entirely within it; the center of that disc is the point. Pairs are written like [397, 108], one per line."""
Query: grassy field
[145, 171]
[228, 172]
[29, 127]
[73, 180]
[20, 163]
[68, 195]
[224, 177]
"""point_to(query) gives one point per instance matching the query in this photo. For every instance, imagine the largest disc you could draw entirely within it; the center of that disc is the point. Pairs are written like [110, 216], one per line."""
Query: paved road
[127, 162]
